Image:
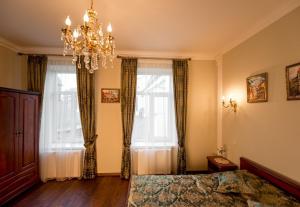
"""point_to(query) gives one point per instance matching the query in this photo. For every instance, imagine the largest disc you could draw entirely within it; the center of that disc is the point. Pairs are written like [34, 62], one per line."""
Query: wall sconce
[232, 103]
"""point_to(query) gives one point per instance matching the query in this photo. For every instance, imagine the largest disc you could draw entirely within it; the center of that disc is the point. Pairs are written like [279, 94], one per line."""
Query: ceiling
[202, 27]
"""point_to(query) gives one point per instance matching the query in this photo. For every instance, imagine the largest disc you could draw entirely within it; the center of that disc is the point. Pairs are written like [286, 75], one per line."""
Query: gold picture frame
[293, 82]
[257, 88]
[110, 95]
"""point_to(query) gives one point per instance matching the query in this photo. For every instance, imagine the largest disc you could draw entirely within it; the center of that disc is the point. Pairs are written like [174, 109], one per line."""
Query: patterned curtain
[128, 93]
[86, 101]
[36, 73]
[180, 79]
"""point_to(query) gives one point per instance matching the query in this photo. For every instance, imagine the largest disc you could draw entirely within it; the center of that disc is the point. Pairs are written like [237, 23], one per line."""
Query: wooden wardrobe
[19, 133]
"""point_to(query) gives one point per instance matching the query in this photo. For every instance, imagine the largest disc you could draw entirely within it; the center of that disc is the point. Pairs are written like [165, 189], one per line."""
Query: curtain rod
[58, 55]
[157, 58]
[119, 56]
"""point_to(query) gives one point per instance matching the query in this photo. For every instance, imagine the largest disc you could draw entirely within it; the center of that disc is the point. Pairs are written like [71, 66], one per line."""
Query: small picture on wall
[110, 95]
[293, 82]
[257, 88]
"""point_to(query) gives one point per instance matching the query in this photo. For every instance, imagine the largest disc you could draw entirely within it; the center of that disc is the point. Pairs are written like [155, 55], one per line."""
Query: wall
[108, 121]
[13, 69]
[201, 119]
[268, 133]
[201, 139]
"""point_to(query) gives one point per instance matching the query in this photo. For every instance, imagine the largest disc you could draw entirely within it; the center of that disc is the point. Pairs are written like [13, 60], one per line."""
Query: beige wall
[268, 133]
[201, 125]
[201, 139]
[109, 125]
[13, 73]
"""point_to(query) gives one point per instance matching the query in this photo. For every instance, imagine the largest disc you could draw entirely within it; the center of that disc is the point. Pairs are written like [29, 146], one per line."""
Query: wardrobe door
[9, 106]
[28, 137]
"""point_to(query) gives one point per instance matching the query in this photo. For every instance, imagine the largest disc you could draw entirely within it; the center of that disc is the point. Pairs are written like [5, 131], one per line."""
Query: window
[61, 126]
[154, 121]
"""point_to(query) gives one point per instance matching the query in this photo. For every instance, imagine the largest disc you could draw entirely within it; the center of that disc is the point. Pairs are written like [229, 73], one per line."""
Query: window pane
[160, 117]
[154, 121]
[61, 125]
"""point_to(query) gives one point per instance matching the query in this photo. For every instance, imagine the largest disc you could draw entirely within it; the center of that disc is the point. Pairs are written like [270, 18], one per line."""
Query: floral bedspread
[200, 190]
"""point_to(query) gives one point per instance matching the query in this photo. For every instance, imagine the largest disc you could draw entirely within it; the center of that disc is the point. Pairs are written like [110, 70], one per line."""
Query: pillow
[232, 182]
[251, 180]
[256, 204]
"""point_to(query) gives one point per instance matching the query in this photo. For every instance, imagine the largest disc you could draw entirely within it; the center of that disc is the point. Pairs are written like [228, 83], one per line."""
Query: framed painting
[293, 81]
[257, 88]
[110, 95]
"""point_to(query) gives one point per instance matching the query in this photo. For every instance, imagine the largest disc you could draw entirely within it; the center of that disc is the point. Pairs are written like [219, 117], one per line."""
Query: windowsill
[153, 146]
[66, 149]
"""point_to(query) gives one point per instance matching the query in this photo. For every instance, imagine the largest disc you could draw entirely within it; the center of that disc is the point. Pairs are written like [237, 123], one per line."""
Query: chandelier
[89, 41]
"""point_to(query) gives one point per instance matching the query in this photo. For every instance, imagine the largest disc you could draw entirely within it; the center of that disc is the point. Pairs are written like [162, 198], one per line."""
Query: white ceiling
[202, 27]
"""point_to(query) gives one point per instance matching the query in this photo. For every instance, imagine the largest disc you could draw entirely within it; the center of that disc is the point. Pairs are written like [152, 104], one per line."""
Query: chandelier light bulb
[86, 17]
[68, 21]
[75, 34]
[100, 32]
[109, 28]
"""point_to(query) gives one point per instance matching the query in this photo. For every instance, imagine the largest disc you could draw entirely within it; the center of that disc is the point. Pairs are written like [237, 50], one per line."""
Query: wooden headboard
[281, 181]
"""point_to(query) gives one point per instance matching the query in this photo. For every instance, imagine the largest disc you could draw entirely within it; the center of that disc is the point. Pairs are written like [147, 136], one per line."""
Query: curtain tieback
[91, 141]
[180, 144]
[126, 148]
[181, 148]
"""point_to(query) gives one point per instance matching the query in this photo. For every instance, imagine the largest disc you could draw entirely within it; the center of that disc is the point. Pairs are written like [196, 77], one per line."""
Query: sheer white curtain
[154, 137]
[61, 139]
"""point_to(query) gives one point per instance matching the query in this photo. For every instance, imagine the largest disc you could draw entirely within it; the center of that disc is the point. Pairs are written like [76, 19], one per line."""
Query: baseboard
[187, 172]
[108, 174]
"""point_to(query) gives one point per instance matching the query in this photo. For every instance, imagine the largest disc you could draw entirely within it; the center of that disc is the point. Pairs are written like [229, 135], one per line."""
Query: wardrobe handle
[19, 132]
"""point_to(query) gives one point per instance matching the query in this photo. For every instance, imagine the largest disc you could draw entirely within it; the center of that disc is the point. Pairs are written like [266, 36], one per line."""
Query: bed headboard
[273, 177]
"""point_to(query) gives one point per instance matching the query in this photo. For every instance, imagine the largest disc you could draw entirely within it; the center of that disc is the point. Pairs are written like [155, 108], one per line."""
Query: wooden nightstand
[214, 166]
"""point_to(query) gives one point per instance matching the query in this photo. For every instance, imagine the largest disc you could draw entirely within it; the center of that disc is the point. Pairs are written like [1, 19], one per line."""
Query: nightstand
[220, 164]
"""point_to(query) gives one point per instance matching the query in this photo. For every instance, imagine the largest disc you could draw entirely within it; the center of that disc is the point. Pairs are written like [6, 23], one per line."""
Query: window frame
[170, 140]
[59, 101]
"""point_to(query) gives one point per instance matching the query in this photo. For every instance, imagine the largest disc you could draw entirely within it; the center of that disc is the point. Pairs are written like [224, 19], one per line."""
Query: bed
[253, 185]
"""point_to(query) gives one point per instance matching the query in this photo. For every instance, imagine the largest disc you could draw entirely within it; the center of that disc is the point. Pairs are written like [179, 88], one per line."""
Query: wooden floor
[103, 191]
